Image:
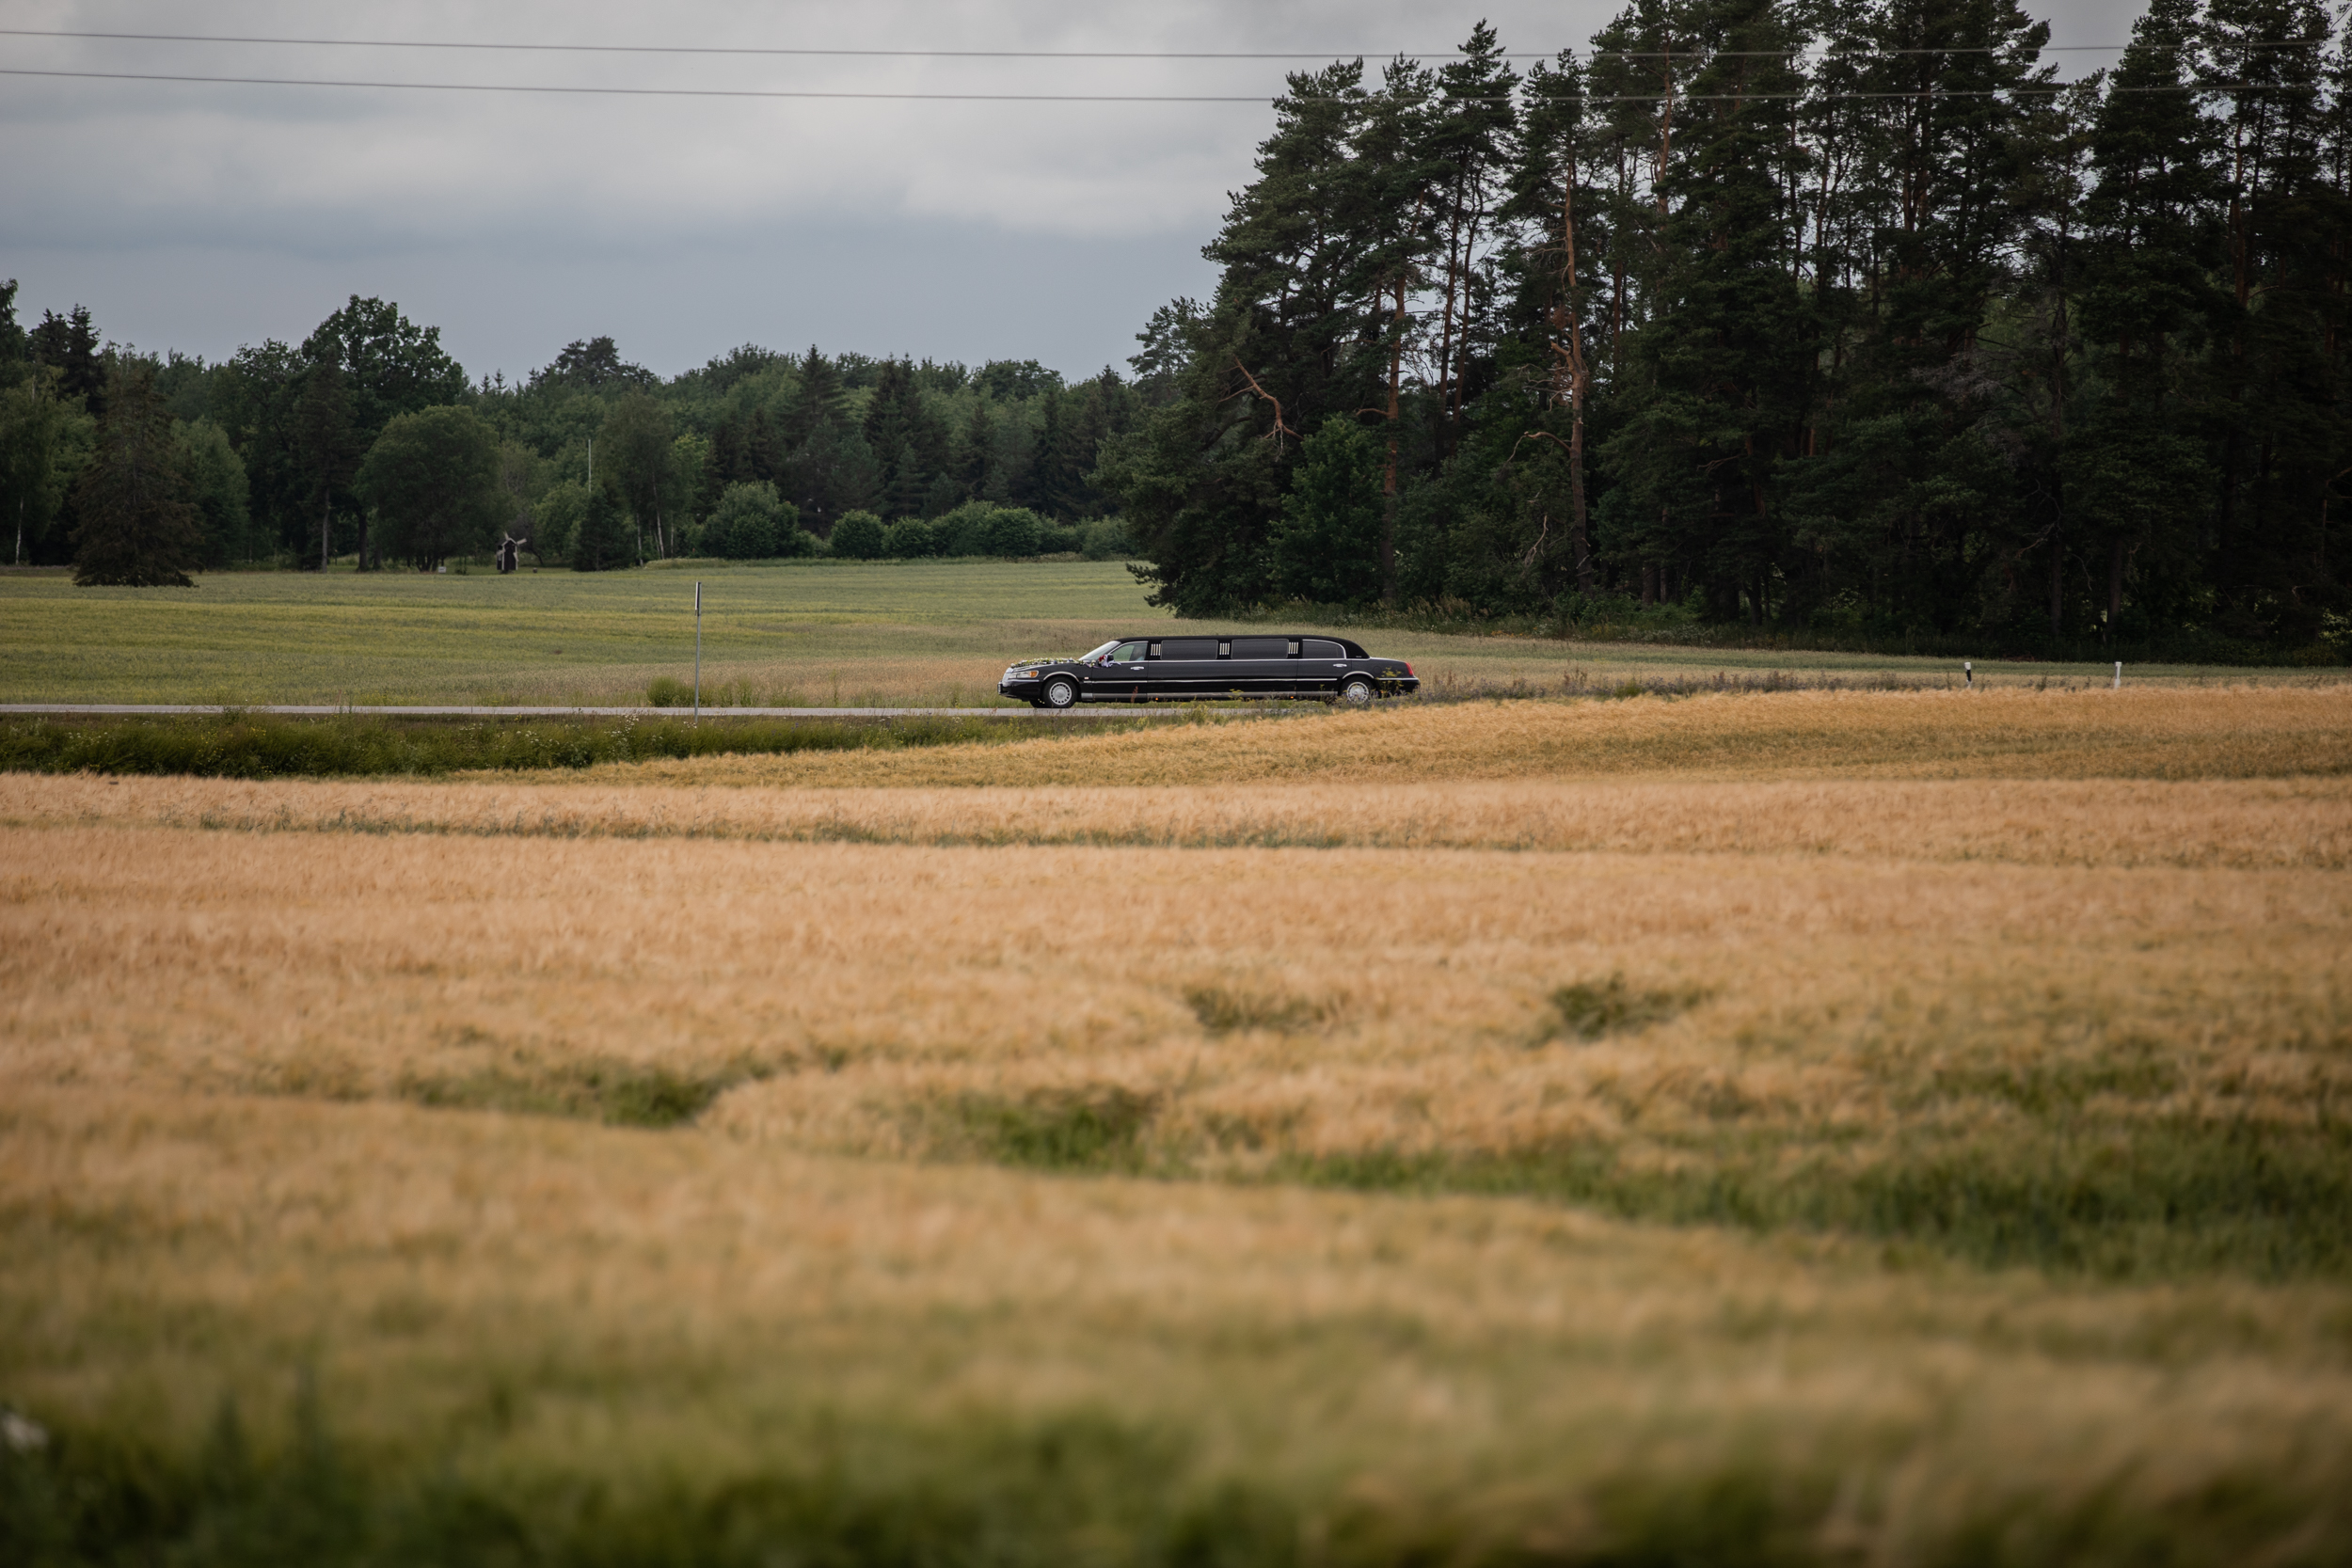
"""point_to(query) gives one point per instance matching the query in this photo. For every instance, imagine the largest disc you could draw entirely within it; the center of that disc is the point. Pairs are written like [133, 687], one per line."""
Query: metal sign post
[698, 652]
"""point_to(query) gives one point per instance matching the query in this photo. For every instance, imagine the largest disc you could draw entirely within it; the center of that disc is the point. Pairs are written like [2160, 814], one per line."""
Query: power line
[2026, 89]
[735, 49]
[997, 53]
[1832, 44]
[647, 92]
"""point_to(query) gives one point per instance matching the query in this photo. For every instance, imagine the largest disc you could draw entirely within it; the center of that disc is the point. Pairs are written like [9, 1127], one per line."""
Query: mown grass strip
[251, 746]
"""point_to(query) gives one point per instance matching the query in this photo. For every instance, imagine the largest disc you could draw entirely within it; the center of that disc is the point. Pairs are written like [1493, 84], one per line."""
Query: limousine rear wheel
[1059, 692]
[1356, 691]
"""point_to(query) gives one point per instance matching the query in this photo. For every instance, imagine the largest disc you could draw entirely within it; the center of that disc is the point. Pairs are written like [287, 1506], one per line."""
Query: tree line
[1844, 320]
[367, 440]
[1841, 323]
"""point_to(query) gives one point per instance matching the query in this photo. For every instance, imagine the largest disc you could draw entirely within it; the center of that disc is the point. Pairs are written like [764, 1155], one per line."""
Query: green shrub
[668, 691]
[1010, 531]
[858, 536]
[1105, 539]
[748, 522]
[964, 531]
[910, 539]
[794, 541]
[1060, 539]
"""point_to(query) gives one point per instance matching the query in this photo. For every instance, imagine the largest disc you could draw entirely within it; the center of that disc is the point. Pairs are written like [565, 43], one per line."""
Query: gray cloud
[200, 217]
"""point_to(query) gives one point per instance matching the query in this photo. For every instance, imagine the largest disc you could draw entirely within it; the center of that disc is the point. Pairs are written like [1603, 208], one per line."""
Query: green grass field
[817, 634]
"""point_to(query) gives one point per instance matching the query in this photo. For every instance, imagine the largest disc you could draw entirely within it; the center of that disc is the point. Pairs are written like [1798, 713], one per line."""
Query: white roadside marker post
[2119, 675]
[698, 652]
[1969, 670]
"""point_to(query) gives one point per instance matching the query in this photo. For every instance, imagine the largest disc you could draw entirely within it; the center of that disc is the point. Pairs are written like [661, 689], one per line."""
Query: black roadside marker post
[1970, 671]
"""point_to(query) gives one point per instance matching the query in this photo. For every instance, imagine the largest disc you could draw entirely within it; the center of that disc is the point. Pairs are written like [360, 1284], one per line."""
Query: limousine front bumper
[1025, 685]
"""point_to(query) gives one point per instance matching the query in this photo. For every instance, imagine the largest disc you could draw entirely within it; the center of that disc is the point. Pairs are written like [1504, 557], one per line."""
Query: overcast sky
[200, 217]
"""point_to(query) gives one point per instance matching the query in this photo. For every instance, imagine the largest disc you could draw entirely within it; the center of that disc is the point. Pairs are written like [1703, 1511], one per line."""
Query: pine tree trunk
[1445, 337]
[1387, 479]
[2057, 570]
[2115, 589]
[1579, 541]
[1579, 376]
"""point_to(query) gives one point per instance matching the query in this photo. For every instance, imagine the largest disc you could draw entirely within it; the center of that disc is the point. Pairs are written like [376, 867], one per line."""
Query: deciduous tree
[327, 448]
[44, 444]
[433, 481]
[636, 447]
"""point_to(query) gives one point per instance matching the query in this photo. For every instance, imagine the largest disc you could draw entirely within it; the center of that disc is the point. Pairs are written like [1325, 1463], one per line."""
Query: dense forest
[1841, 320]
[367, 440]
[1837, 323]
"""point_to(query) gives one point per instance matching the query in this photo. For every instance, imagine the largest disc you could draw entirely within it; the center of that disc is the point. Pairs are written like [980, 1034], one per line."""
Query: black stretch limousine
[1199, 669]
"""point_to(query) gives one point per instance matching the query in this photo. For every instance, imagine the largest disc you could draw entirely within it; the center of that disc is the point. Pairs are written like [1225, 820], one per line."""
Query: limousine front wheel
[1357, 693]
[1059, 692]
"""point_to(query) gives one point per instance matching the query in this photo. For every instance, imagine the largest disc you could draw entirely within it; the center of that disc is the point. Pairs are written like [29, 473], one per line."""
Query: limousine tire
[1356, 691]
[1060, 692]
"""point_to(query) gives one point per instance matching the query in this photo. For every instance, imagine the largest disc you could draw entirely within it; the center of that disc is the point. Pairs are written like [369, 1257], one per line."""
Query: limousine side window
[1127, 653]
[1188, 647]
[1262, 647]
[1320, 647]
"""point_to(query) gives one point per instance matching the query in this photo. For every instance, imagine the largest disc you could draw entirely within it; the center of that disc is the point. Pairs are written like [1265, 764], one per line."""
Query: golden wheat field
[1875, 1128]
[2147, 732]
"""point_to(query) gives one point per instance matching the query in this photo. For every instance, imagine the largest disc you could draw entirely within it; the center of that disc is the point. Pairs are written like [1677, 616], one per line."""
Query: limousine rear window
[1262, 647]
[1319, 647]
